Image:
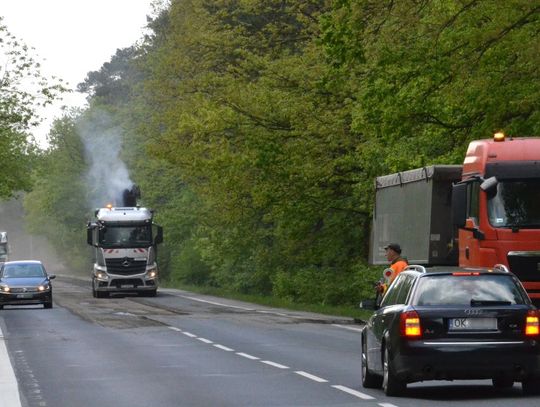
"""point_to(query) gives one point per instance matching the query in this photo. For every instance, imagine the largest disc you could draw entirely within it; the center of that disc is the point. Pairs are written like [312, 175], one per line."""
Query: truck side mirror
[459, 204]
[489, 186]
[90, 236]
[159, 236]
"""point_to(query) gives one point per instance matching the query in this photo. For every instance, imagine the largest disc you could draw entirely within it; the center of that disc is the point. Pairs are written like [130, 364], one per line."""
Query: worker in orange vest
[397, 263]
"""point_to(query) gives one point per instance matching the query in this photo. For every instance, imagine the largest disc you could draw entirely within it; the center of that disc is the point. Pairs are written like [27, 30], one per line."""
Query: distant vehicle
[125, 243]
[4, 248]
[452, 323]
[25, 282]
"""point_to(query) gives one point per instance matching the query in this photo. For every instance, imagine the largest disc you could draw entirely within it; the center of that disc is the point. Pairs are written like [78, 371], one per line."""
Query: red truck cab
[497, 207]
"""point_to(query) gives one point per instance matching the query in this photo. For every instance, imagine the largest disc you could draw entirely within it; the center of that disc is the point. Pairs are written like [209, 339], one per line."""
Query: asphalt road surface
[184, 349]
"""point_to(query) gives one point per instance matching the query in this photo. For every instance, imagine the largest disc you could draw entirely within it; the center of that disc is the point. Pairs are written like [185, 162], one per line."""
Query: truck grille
[525, 265]
[126, 266]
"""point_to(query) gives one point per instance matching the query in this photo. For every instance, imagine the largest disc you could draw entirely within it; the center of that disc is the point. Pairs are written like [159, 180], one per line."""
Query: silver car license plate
[472, 324]
[23, 296]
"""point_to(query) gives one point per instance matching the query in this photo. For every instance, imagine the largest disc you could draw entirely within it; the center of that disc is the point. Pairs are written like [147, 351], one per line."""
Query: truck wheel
[369, 380]
[391, 384]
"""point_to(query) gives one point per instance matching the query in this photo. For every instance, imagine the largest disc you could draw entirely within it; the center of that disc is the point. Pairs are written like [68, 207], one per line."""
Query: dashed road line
[274, 364]
[247, 356]
[311, 377]
[223, 348]
[352, 392]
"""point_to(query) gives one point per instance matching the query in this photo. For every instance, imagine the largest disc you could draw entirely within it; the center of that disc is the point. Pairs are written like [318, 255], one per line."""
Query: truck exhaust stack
[130, 196]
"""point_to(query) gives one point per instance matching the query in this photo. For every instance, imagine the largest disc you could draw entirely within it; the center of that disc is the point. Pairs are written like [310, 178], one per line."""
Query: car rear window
[448, 289]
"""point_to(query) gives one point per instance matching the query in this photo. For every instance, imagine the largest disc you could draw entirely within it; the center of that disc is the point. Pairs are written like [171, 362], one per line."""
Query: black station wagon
[449, 324]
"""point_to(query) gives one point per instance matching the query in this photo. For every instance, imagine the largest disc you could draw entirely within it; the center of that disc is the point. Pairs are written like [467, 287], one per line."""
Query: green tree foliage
[55, 207]
[22, 90]
[429, 76]
[255, 128]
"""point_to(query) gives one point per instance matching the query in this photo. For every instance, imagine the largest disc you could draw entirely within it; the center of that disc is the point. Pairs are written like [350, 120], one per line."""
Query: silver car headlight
[44, 287]
[4, 288]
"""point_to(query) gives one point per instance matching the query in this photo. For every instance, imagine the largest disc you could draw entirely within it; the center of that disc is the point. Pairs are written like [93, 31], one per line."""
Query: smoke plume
[108, 175]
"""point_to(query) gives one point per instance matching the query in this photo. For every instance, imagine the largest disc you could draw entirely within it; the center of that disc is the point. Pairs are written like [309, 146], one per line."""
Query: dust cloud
[23, 245]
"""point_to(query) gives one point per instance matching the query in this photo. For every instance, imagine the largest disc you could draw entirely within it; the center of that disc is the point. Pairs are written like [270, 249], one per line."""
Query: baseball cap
[394, 246]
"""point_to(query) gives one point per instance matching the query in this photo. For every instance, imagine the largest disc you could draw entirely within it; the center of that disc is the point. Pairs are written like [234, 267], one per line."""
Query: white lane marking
[274, 364]
[175, 329]
[205, 340]
[312, 377]
[387, 405]
[354, 392]
[224, 348]
[189, 334]
[8, 383]
[216, 303]
[350, 328]
[247, 356]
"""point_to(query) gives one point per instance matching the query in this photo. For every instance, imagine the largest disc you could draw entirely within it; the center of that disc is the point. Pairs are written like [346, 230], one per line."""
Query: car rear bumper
[448, 360]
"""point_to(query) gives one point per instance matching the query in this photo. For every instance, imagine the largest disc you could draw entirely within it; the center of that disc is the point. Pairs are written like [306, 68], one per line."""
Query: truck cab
[125, 243]
[497, 207]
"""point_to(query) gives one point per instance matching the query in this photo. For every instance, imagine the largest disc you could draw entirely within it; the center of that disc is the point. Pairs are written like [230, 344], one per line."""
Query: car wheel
[531, 386]
[48, 305]
[369, 380]
[391, 384]
[502, 382]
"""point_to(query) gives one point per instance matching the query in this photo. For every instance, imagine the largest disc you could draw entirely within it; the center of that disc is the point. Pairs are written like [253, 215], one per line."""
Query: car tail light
[410, 325]
[532, 323]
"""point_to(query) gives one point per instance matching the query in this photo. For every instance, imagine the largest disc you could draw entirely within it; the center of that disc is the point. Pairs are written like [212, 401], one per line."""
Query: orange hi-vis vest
[398, 265]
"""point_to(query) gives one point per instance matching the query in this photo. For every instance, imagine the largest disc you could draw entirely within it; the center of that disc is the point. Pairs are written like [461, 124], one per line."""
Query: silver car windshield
[23, 270]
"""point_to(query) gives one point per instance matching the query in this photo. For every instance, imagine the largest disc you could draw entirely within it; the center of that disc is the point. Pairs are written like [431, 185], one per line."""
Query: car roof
[421, 270]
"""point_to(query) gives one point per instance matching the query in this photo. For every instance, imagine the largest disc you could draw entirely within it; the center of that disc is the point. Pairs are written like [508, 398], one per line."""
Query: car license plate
[22, 296]
[472, 324]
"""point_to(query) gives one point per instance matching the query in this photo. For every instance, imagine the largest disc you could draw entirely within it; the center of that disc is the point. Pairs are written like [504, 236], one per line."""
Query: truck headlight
[152, 273]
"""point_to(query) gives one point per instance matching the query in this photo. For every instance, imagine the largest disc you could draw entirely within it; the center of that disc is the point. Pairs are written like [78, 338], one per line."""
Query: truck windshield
[516, 204]
[126, 236]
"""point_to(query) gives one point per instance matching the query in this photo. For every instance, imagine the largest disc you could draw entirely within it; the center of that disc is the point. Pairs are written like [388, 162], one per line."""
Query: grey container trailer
[413, 208]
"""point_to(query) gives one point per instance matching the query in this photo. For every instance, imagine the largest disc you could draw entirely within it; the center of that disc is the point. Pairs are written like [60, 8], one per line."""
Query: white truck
[125, 242]
[4, 248]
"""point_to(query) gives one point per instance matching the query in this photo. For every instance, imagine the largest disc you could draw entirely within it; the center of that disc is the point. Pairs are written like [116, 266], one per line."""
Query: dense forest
[255, 129]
